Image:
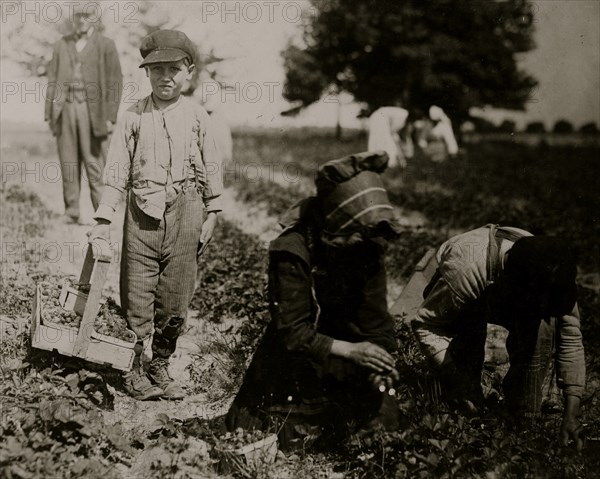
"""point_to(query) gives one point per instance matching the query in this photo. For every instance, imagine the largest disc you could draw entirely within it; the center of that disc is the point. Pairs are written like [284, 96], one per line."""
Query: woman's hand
[371, 356]
[365, 354]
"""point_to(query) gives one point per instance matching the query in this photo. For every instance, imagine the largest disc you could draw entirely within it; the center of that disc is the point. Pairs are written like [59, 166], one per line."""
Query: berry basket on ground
[244, 453]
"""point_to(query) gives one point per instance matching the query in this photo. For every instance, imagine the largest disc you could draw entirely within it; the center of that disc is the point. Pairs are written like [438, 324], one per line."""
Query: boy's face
[168, 78]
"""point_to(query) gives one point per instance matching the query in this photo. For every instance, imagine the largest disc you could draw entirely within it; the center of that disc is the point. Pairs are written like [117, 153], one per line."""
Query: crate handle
[422, 264]
[94, 271]
[101, 249]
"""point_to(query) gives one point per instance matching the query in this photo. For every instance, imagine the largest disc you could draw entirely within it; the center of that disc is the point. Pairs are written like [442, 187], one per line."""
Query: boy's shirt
[152, 153]
[463, 267]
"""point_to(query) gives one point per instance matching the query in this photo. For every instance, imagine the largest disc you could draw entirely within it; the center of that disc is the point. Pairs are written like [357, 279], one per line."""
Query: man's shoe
[159, 374]
[138, 386]
[85, 222]
[70, 219]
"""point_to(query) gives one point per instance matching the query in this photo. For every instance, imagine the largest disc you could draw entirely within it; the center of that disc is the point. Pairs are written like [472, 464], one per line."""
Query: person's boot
[136, 381]
[164, 343]
[159, 374]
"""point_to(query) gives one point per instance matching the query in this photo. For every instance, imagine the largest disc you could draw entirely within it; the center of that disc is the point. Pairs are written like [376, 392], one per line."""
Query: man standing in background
[84, 92]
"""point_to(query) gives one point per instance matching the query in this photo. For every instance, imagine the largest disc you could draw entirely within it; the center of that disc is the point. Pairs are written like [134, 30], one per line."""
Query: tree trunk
[338, 126]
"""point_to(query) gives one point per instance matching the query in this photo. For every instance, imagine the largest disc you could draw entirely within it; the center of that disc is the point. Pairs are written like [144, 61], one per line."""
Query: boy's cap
[166, 46]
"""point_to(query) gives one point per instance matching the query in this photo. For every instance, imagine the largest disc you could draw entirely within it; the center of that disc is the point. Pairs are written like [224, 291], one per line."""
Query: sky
[251, 35]
[566, 62]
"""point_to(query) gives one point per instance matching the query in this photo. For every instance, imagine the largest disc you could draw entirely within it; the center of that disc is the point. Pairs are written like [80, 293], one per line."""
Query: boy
[525, 283]
[163, 154]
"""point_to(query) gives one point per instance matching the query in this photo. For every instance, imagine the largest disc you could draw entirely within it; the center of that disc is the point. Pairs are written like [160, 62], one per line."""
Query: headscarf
[351, 200]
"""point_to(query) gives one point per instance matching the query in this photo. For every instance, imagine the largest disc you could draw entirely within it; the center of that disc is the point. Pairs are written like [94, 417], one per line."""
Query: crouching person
[163, 156]
[524, 283]
[326, 351]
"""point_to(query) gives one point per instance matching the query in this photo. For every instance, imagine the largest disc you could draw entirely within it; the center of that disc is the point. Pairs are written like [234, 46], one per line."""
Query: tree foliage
[589, 128]
[305, 81]
[452, 53]
[535, 127]
[563, 127]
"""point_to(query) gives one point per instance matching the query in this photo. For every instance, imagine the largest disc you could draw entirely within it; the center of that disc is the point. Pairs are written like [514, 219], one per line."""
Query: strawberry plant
[52, 421]
[51, 427]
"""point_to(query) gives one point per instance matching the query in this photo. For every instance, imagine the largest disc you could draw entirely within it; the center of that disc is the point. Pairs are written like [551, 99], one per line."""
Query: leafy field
[53, 421]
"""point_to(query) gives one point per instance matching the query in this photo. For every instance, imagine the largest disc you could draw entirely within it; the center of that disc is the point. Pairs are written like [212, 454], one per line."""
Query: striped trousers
[159, 267]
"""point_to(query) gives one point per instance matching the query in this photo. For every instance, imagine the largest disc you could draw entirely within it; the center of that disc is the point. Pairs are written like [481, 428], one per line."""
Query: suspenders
[199, 183]
[497, 234]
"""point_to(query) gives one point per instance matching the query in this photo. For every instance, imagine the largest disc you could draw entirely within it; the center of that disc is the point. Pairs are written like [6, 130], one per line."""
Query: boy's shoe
[159, 374]
[138, 386]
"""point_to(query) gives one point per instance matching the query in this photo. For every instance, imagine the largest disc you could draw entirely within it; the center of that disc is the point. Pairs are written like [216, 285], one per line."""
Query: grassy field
[52, 411]
[546, 190]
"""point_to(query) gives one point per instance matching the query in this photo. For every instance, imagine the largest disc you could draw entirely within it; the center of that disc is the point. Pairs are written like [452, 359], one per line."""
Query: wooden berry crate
[411, 297]
[248, 459]
[72, 299]
[82, 342]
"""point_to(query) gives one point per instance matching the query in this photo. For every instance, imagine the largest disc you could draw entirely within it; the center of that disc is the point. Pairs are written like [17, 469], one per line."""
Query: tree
[563, 127]
[507, 126]
[483, 125]
[589, 128]
[535, 127]
[452, 53]
[305, 81]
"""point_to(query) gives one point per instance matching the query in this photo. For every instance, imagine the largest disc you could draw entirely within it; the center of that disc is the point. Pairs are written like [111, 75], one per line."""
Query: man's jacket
[103, 80]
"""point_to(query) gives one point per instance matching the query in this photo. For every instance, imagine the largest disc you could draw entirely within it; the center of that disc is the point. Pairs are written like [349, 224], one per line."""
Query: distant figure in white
[385, 126]
[209, 95]
[442, 129]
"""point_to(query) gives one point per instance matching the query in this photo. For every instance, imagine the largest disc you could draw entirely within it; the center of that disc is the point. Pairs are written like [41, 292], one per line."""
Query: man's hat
[353, 198]
[166, 46]
[85, 10]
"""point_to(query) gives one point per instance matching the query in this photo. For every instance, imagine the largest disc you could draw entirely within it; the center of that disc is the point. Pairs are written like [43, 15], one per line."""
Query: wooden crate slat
[118, 357]
[92, 305]
[88, 266]
[410, 299]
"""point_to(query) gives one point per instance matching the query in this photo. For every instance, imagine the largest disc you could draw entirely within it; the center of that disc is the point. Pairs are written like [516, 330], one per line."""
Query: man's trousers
[457, 339]
[530, 347]
[76, 146]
